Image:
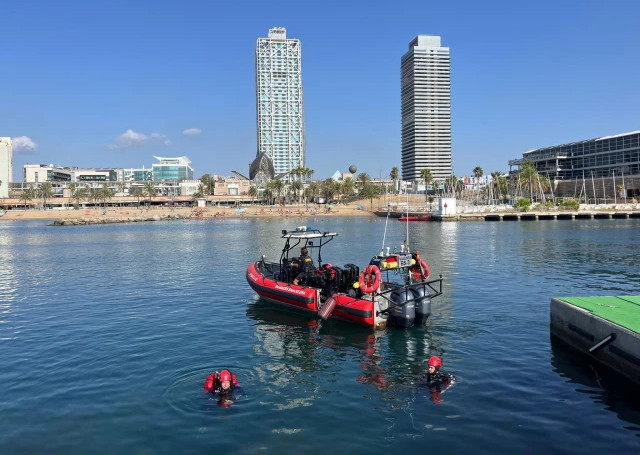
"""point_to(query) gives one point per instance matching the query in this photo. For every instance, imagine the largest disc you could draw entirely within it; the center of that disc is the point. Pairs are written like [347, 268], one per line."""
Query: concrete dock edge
[583, 330]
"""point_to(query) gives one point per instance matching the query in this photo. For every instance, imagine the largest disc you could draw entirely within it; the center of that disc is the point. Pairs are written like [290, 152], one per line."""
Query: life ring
[370, 279]
[420, 271]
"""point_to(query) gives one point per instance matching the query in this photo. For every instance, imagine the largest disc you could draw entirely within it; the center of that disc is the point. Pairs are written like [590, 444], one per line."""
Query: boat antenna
[406, 242]
[385, 228]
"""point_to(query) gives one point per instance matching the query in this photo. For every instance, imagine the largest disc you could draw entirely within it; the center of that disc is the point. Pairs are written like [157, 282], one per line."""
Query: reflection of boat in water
[416, 218]
[602, 384]
[297, 334]
[373, 298]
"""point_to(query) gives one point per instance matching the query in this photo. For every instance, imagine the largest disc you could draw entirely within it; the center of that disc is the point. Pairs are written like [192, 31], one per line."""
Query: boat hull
[415, 218]
[307, 298]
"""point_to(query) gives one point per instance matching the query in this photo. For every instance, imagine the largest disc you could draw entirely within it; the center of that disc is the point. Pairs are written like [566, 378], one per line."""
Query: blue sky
[112, 83]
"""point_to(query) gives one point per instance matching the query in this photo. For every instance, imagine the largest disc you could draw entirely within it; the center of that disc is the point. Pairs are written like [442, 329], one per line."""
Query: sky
[114, 83]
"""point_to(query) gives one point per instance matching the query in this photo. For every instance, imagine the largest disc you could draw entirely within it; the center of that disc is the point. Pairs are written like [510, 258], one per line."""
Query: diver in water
[437, 379]
[222, 385]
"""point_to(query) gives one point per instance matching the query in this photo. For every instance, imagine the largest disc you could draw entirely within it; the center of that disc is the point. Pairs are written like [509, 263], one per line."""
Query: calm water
[108, 332]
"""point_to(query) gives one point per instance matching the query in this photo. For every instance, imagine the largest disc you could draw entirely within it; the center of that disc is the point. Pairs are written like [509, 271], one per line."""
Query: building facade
[596, 167]
[279, 101]
[6, 165]
[425, 81]
[40, 173]
[172, 169]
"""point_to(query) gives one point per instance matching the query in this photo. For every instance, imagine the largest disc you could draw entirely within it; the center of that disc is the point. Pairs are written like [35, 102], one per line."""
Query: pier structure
[522, 216]
[607, 329]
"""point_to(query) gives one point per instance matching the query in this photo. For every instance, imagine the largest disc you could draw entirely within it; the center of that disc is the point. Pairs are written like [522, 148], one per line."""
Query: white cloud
[23, 144]
[192, 132]
[133, 139]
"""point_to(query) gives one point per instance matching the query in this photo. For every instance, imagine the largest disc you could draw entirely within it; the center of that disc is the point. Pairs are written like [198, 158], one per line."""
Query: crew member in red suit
[222, 385]
[437, 379]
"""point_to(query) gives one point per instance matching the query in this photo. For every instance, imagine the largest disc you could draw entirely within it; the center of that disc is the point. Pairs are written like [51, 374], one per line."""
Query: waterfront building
[172, 169]
[605, 168]
[6, 165]
[231, 186]
[40, 173]
[339, 176]
[426, 108]
[189, 187]
[279, 103]
[138, 175]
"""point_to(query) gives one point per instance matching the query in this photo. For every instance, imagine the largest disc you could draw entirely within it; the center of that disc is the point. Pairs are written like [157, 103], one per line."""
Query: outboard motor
[403, 308]
[332, 277]
[350, 276]
[423, 303]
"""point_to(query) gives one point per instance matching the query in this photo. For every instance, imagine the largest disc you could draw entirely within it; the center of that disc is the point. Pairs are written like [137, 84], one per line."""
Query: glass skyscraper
[425, 83]
[279, 108]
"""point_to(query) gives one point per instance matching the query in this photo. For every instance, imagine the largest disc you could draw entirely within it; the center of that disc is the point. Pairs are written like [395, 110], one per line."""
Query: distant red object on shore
[415, 218]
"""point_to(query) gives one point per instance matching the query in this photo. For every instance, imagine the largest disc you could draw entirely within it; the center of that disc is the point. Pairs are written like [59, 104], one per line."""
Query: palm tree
[96, 196]
[269, 191]
[278, 186]
[477, 173]
[308, 173]
[498, 184]
[454, 184]
[529, 176]
[45, 192]
[363, 179]
[328, 189]
[348, 187]
[296, 188]
[77, 194]
[150, 190]
[26, 196]
[138, 193]
[314, 189]
[121, 187]
[253, 193]
[427, 176]
[394, 176]
[107, 194]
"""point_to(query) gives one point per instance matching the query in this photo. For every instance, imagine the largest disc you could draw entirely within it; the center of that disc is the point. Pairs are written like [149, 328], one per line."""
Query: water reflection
[390, 361]
[601, 384]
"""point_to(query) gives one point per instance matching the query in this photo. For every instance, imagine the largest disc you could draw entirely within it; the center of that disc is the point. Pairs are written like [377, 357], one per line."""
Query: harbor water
[108, 332]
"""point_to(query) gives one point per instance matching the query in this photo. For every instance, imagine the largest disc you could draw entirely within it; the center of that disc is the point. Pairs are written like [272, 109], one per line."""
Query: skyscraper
[279, 108]
[425, 82]
[6, 165]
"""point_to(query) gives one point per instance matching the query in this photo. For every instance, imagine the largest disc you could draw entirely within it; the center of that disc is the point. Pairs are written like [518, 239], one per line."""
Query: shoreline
[164, 213]
[355, 209]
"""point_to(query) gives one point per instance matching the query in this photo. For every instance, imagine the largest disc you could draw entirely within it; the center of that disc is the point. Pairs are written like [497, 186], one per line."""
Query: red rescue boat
[416, 218]
[369, 298]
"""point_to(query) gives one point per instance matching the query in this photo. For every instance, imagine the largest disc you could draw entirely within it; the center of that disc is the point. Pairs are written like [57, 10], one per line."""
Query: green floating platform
[623, 310]
[605, 328]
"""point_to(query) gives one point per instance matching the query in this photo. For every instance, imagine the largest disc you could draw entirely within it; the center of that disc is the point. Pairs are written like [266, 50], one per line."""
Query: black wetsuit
[437, 382]
[439, 378]
[307, 269]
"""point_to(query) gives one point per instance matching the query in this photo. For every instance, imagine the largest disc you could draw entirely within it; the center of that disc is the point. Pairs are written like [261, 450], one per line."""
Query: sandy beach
[258, 211]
